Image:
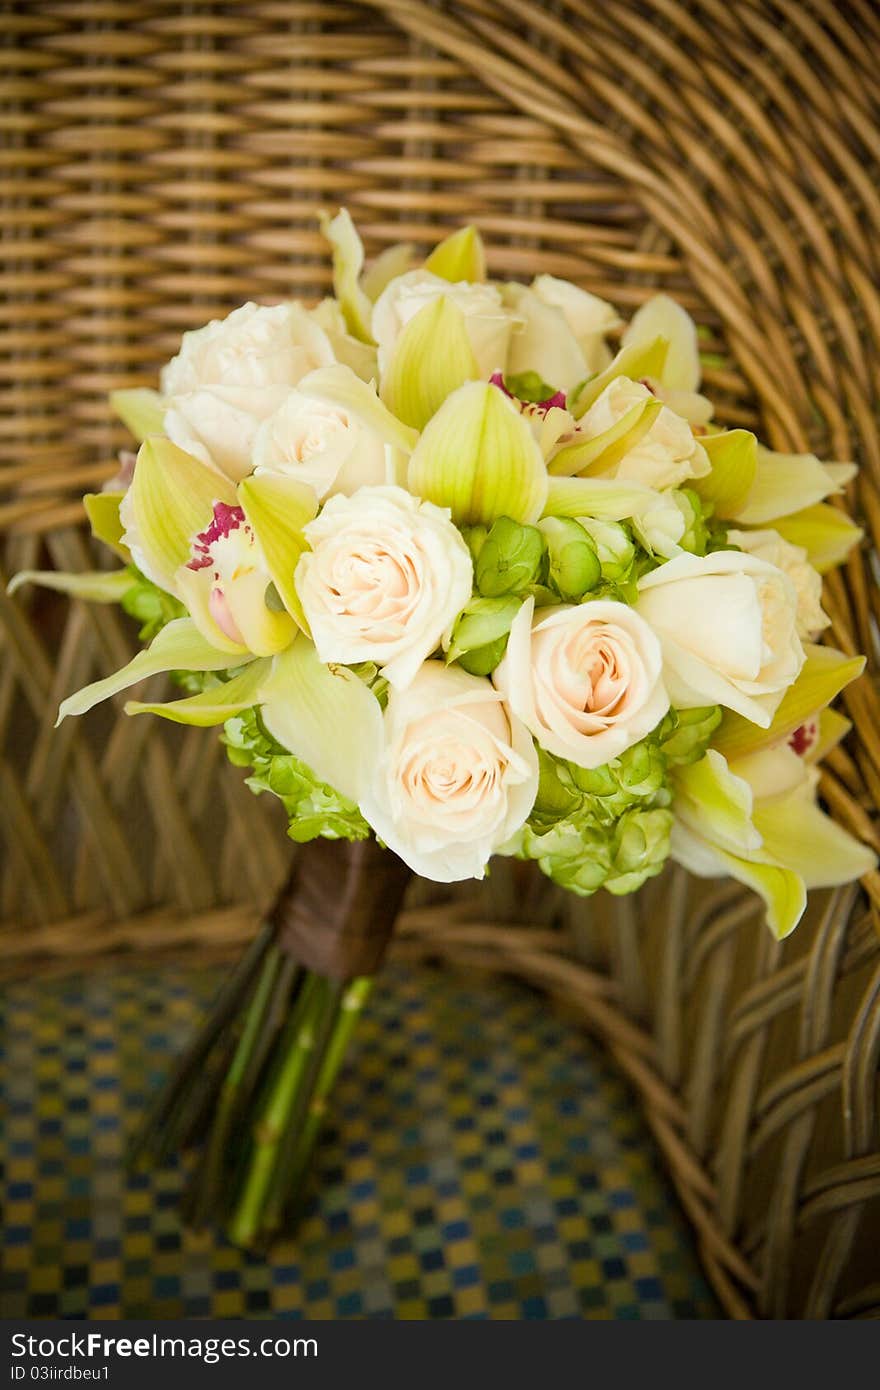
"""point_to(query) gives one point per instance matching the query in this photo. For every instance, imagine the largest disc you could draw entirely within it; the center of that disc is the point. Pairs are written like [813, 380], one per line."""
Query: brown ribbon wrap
[336, 913]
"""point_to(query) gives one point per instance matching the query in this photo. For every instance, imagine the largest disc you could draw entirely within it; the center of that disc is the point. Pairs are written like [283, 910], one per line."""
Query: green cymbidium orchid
[662, 317]
[825, 532]
[596, 455]
[733, 455]
[348, 262]
[431, 359]
[824, 674]
[478, 457]
[757, 820]
[636, 361]
[225, 552]
[141, 410]
[787, 483]
[460, 256]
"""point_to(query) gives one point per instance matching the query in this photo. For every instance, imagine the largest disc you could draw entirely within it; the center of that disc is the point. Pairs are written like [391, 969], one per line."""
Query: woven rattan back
[162, 163]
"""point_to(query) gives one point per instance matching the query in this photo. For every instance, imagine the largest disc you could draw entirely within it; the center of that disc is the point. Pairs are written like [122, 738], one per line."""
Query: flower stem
[352, 1005]
[210, 1170]
[279, 1187]
[270, 1126]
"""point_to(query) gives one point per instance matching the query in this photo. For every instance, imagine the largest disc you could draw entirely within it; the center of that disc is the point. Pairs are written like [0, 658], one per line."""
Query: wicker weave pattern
[162, 163]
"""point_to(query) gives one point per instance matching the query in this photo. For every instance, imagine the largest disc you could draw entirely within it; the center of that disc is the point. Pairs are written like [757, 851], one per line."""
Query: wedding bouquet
[451, 574]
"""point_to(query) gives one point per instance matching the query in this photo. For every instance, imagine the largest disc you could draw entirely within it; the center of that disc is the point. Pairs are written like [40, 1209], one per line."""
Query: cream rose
[793, 561]
[487, 322]
[232, 374]
[458, 777]
[386, 577]
[664, 457]
[727, 623]
[322, 444]
[585, 679]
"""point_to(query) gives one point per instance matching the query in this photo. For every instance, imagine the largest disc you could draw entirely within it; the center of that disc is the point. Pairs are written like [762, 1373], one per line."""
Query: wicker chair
[164, 163]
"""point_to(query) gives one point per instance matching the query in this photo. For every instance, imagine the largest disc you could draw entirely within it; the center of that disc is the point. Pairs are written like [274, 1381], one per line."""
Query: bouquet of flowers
[457, 580]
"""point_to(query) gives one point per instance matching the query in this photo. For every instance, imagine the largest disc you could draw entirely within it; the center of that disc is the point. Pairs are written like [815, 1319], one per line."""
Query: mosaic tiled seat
[163, 163]
[482, 1161]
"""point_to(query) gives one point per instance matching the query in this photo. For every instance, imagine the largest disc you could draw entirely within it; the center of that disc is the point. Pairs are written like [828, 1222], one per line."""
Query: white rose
[458, 778]
[386, 577]
[322, 444]
[794, 561]
[664, 457]
[232, 374]
[588, 317]
[727, 624]
[585, 679]
[487, 322]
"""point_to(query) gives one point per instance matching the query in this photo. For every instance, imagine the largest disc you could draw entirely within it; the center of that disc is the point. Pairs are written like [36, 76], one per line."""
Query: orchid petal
[348, 261]
[714, 820]
[784, 891]
[824, 674]
[833, 728]
[432, 358]
[97, 586]
[178, 647]
[635, 361]
[141, 411]
[605, 499]
[733, 456]
[170, 500]
[825, 532]
[193, 587]
[393, 261]
[663, 317]
[716, 804]
[348, 350]
[277, 509]
[608, 448]
[786, 483]
[460, 256]
[327, 717]
[102, 510]
[214, 705]
[479, 458]
[800, 836]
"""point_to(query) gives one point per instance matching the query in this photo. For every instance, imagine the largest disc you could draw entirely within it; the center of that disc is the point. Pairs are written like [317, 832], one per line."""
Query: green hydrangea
[583, 856]
[312, 807]
[609, 827]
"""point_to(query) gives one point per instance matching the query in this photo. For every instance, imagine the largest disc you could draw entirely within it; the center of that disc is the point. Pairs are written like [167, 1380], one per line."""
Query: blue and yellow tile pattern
[482, 1161]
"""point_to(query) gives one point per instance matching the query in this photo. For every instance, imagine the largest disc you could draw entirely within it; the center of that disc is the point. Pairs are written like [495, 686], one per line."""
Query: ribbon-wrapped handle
[336, 913]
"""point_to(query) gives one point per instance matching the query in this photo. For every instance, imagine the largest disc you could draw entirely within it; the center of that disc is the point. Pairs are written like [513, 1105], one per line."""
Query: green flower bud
[573, 563]
[685, 733]
[479, 637]
[614, 547]
[510, 558]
